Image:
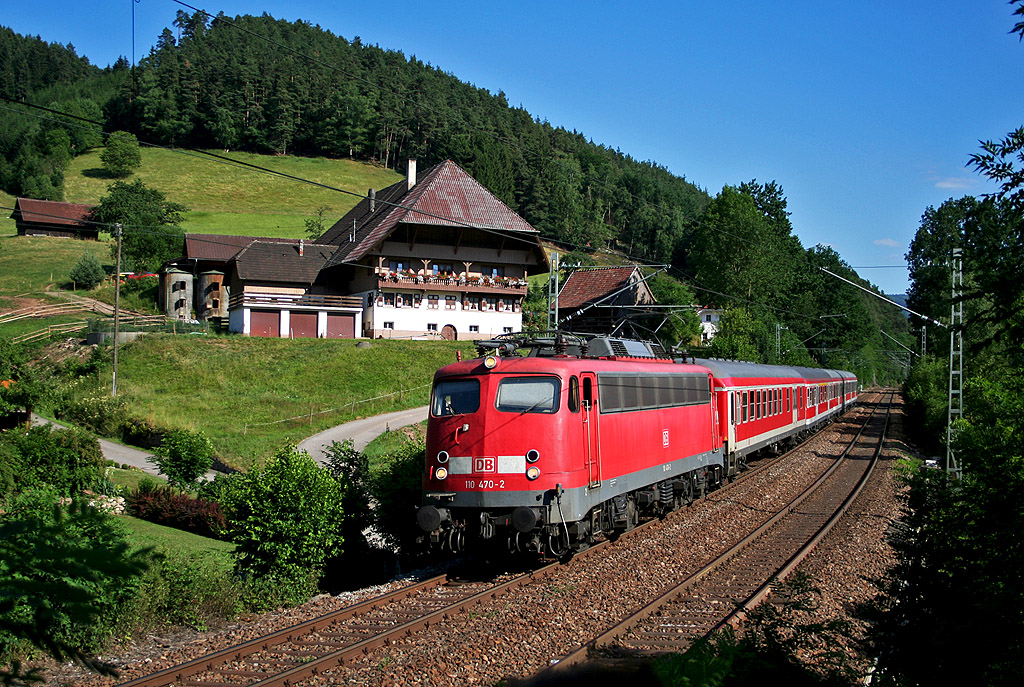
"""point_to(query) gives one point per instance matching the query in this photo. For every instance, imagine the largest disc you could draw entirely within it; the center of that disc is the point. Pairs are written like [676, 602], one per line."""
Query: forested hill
[271, 86]
[266, 85]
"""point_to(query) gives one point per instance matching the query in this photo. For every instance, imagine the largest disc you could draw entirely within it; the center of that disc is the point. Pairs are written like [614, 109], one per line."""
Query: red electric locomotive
[544, 452]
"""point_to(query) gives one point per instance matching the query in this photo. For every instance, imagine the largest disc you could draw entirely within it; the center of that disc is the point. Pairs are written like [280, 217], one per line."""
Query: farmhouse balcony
[481, 285]
[285, 301]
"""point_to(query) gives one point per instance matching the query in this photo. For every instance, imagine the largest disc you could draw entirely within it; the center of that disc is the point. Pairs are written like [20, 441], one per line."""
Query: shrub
[87, 272]
[184, 456]
[165, 507]
[65, 575]
[286, 517]
[66, 460]
[396, 487]
[104, 415]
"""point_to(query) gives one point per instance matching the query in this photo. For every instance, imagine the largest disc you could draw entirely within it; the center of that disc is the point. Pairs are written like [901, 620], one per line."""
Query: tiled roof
[273, 261]
[587, 285]
[222, 246]
[50, 212]
[444, 195]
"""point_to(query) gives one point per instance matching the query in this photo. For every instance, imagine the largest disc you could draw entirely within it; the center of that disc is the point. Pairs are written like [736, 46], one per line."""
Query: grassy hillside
[241, 390]
[230, 199]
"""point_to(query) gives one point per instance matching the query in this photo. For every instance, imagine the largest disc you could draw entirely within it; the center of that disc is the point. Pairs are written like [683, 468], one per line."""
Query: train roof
[725, 369]
[555, 350]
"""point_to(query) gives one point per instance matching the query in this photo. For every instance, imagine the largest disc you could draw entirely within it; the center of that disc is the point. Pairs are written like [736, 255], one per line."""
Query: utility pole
[117, 303]
[956, 362]
[778, 341]
[553, 294]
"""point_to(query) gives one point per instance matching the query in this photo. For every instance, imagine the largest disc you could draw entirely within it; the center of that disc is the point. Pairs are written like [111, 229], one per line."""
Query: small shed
[52, 218]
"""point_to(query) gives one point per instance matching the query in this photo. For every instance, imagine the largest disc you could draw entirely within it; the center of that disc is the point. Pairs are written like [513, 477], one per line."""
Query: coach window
[758, 406]
[745, 415]
[574, 394]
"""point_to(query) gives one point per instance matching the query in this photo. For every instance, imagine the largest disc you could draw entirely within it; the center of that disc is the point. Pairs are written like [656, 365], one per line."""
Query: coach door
[591, 428]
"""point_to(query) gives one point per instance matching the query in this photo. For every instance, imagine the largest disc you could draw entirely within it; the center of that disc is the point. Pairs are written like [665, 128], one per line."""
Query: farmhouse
[51, 218]
[434, 255]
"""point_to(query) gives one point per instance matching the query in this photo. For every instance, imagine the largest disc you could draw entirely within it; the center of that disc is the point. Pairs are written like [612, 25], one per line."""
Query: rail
[725, 579]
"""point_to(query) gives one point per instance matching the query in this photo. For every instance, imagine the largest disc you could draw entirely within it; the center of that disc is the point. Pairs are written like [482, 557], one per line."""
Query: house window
[216, 303]
[508, 330]
[432, 301]
[406, 300]
[472, 303]
[432, 326]
[439, 267]
[492, 270]
[474, 328]
[389, 299]
[389, 325]
[707, 318]
[396, 265]
[490, 304]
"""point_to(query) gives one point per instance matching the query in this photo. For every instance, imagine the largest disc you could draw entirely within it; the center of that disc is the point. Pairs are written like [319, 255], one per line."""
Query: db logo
[484, 464]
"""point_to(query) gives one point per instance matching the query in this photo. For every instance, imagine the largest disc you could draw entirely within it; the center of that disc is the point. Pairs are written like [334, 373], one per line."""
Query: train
[577, 438]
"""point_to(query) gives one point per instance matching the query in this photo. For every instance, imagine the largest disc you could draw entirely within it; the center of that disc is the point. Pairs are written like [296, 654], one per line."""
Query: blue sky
[865, 112]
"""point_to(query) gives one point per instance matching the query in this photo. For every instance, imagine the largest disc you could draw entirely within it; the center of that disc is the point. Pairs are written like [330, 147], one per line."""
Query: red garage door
[265, 323]
[303, 325]
[341, 326]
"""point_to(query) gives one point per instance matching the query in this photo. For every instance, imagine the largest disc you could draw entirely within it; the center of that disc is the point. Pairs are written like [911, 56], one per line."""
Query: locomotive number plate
[485, 484]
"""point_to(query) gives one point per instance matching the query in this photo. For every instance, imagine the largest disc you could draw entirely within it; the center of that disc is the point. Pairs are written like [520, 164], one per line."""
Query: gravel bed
[514, 636]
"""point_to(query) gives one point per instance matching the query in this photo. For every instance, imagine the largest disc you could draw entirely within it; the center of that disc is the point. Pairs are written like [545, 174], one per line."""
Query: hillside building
[51, 218]
[434, 255]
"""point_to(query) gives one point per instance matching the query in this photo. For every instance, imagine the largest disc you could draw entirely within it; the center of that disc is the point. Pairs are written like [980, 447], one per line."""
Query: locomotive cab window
[528, 395]
[455, 397]
[574, 394]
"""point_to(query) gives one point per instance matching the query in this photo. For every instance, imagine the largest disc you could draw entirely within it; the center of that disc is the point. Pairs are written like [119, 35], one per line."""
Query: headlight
[442, 456]
[533, 455]
[491, 362]
[532, 472]
[441, 473]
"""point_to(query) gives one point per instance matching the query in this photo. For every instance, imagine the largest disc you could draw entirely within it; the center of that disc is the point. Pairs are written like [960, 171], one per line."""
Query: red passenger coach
[578, 438]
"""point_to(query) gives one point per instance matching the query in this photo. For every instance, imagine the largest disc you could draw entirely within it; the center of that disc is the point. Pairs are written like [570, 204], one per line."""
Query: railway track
[722, 592]
[308, 649]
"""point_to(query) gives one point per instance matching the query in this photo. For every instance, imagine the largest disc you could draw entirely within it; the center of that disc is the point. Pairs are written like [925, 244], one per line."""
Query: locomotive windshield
[528, 395]
[456, 397]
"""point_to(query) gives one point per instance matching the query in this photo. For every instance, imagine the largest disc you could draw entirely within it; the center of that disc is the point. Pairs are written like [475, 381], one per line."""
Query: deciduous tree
[151, 234]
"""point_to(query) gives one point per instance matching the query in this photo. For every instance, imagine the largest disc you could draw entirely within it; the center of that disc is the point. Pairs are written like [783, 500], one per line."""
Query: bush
[184, 457]
[65, 460]
[65, 575]
[180, 511]
[87, 272]
[104, 415]
[397, 486]
[285, 518]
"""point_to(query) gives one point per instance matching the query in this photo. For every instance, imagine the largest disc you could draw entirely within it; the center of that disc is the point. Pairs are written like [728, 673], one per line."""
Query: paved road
[361, 432]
